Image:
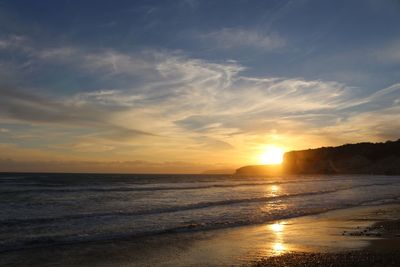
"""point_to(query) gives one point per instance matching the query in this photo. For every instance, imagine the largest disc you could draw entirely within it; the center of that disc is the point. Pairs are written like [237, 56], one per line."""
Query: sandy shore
[365, 235]
[352, 258]
[383, 251]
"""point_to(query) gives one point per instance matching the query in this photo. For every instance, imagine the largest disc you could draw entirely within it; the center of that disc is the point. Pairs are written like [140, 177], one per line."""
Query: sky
[185, 86]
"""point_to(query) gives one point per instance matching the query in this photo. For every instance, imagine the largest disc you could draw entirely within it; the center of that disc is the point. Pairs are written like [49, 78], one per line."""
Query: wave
[194, 206]
[59, 240]
[159, 188]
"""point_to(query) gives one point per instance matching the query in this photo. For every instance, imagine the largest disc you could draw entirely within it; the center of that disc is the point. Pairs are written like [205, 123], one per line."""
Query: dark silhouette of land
[361, 158]
[219, 171]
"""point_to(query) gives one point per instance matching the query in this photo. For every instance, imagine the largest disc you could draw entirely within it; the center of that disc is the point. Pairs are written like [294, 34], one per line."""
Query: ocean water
[39, 210]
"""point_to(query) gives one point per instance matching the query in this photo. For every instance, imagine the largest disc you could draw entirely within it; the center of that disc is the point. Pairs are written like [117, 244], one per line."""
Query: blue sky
[192, 85]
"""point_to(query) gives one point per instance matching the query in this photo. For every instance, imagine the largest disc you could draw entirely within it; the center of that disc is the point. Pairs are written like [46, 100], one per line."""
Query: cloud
[105, 61]
[203, 142]
[381, 98]
[34, 108]
[13, 42]
[228, 38]
[185, 106]
[110, 97]
[118, 63]
[377, 125]
[63, 53]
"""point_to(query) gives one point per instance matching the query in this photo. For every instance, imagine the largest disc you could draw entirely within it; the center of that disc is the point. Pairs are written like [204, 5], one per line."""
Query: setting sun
[272, 155]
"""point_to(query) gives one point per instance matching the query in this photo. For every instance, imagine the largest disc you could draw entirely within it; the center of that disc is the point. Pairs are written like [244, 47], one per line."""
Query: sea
[42, 209]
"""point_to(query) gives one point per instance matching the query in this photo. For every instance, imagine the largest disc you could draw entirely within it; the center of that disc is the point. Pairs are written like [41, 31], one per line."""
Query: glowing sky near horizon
[187, 85]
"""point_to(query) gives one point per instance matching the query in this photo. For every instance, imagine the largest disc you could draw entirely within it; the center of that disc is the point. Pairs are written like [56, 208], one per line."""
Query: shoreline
[381, 251]
[319, 236]
[193, 230]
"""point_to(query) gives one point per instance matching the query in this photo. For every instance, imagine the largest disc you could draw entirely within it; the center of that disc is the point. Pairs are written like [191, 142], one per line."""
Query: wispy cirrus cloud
[191, 106]
[228, 38]
[13, 42]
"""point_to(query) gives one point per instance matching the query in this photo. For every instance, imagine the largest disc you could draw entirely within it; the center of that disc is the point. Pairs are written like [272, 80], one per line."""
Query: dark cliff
[362, 158]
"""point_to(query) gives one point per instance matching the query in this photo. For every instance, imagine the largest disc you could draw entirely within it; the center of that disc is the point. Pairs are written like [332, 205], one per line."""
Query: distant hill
[221, 171]
[362, 158]
[260, 170]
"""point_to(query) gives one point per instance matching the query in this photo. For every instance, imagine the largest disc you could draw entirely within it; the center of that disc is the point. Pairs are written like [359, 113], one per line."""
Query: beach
[327, 239]
[199, 133]
[196, 220]
[382, 248]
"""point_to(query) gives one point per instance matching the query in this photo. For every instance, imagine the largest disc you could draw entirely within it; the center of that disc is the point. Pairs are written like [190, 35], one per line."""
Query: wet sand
[335, 237]
[383, 250]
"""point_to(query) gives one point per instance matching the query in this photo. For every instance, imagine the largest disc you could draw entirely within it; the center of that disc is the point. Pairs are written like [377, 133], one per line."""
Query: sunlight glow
[272, 155]
[277, 227]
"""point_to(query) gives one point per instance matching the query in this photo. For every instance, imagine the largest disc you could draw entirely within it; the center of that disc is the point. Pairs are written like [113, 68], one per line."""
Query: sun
[272, 155]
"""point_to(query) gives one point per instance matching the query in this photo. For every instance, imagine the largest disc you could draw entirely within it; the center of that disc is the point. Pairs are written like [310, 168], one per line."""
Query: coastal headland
[361, 158]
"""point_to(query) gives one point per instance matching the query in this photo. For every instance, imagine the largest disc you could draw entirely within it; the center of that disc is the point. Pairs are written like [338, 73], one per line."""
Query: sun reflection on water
[274, 188]
[277, 227]
[278, 248]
